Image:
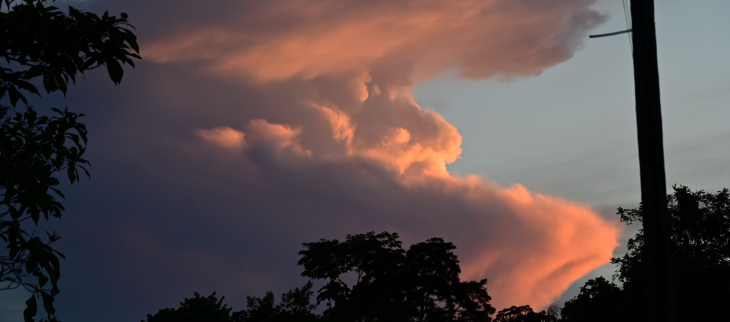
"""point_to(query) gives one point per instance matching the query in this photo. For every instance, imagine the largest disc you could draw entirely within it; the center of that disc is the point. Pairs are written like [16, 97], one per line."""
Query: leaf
[72, 174]
[14, 250]
[42, 280]
[49, 82]
[28, 87]
[48, 303]
[61, 83]
[115, 70]
[30, 310]
[15, 95]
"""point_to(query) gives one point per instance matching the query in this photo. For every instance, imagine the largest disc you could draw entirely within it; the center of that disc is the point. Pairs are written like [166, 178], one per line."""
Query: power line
[627, 17]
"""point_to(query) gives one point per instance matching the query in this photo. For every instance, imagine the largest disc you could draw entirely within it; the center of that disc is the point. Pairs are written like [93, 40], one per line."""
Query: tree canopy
[526, 314]
[700, 245]
[41, 43]
[32, 150]
[599, 300]
[195, 309]
[390, 284]
[420, 284]
[294, 306]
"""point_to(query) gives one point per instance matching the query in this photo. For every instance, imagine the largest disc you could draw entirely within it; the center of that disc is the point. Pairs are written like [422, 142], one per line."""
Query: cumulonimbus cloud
[348, 69]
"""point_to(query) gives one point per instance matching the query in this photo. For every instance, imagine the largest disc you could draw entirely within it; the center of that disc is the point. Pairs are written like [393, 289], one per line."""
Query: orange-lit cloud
[278, 136]
[279, 40]
[347, 69]
[574, 241]
[223, 136]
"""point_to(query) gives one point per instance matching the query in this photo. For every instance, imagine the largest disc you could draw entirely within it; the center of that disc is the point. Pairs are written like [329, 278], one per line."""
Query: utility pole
[660, 285]
[659, 279]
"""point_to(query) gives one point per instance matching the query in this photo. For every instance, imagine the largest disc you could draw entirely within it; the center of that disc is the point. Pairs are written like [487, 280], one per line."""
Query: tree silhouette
[32, 150]
[196, 309]
[524, 314]
[391, 284]
[700, 244]
[599, 300]
[41, 43]
[421, 284]
[295, 306]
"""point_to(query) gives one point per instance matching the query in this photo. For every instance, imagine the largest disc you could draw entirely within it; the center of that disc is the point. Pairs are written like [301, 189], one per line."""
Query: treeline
[422, 283]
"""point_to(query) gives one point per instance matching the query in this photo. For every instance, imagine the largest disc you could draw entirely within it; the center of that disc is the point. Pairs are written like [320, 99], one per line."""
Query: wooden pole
[660, 287]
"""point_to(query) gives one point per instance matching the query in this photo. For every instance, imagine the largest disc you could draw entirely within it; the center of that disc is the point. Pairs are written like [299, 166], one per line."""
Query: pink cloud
[347, 69]
[223, 136]
[280, 137]
[284, 39]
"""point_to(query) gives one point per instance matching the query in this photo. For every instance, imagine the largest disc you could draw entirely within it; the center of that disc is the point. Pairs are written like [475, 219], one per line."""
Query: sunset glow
[250, 129]
[377, 54]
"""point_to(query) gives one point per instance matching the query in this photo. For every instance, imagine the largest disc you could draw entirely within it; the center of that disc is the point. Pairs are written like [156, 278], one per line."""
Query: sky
[251, 127]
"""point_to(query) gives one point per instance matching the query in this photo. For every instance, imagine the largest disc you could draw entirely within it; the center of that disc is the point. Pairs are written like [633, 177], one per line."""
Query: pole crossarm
[611, 33]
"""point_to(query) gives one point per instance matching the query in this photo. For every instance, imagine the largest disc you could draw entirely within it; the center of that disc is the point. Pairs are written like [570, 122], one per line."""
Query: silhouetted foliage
[295, 306]
[41, 43]
[599, 300]
[421, 284]
[32, 150]
[196, 309]
[700, 245]
[525, 314]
